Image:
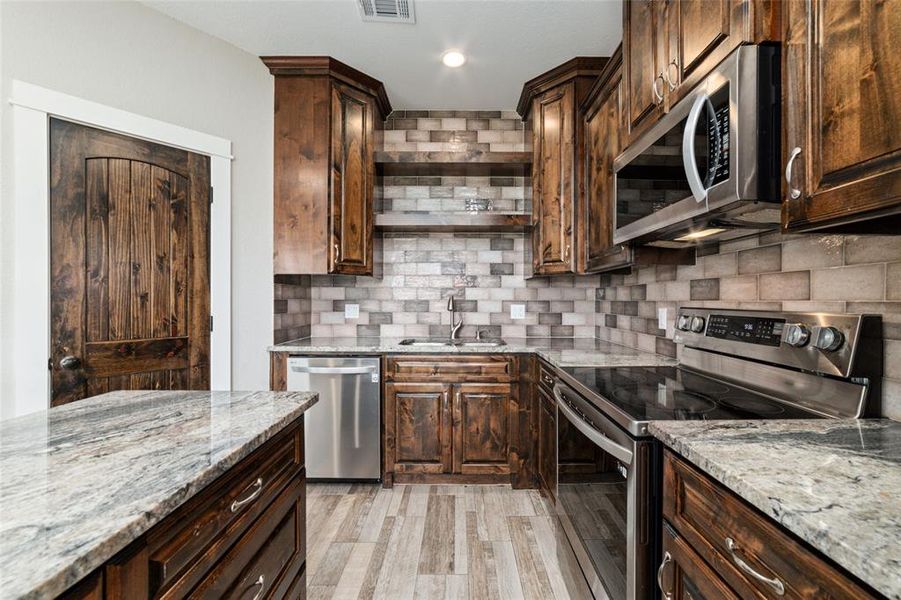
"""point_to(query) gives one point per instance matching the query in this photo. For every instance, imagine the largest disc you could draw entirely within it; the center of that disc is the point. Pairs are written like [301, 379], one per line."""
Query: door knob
[69, 362]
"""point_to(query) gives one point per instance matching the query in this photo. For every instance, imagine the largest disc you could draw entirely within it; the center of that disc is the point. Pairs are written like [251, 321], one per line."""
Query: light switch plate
[661, 318]
[351, 311]
[517, 311]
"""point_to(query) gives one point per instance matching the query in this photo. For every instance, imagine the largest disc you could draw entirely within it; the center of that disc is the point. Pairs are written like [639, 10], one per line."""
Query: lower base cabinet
[450, 419]
[244, 536]
[715, 545]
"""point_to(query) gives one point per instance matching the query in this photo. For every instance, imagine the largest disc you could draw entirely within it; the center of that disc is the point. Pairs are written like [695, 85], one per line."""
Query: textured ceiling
[505, 42]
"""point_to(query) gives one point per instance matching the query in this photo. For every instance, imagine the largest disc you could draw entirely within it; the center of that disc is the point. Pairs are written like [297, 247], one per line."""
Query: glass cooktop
[671, 393]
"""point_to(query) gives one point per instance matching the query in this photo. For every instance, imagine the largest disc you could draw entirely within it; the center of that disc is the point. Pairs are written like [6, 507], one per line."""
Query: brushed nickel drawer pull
[793, 192]
[262, 583]
[667, 557]
[774, 583]
[258, 484]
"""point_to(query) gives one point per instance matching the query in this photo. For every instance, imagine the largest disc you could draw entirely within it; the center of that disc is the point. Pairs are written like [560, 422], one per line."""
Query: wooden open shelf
[496, 164]
[454, 222]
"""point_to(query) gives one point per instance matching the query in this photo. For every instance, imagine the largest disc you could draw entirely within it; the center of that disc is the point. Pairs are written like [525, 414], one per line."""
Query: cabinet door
[352, 176]
[841, 106]
[699, 34]
[602, 145]
[642, 69]
[482, 428]
[683, 575]
[418, 428]
[547, 442]
[553, 189]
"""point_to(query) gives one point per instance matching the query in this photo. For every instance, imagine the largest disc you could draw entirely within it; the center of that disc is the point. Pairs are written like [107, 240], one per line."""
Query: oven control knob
[828, 339]
[684, 323]
[697, 324]
[797, 335]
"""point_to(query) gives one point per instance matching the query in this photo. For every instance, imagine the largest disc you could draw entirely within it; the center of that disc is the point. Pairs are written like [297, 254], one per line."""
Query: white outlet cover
[661, 318]
[351, 311]
[517, 311]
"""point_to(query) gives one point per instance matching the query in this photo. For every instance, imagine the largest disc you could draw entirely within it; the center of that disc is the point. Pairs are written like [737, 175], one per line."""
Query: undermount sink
[469, 343]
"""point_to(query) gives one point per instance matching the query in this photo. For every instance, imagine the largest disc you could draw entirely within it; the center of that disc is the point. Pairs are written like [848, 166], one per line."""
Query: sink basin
[470, 343]
[415, 342]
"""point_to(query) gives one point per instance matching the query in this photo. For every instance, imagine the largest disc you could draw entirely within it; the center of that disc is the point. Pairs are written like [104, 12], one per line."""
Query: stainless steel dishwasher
[342, 430]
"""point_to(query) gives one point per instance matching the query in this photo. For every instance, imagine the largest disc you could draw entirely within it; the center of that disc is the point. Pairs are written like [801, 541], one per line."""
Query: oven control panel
[751, 330]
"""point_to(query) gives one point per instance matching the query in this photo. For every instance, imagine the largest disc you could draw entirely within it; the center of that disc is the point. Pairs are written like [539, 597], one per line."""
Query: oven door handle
[621, 453]
[699, 187]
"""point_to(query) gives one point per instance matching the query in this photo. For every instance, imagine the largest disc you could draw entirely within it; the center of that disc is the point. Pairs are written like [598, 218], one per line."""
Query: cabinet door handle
[566, 253]
[793, 192]
[258, 484]
[262, 583]
[667, 558]
[774, 583]
[670, 81]
[657, 95]
[337, 251]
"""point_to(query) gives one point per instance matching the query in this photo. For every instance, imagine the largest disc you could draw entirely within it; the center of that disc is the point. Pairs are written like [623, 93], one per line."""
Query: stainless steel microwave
[711, 164]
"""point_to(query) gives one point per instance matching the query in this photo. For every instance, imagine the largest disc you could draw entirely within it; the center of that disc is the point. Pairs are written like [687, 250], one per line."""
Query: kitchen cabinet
[715, 545]
[547, 444]
[550, 102]
[604, 125]
[451, 418]
[328, 117]
[671, 45]
[243, 534]
[841, 104]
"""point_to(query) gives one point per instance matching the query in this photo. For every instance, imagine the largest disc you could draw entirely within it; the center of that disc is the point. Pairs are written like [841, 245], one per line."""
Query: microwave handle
[697, 186]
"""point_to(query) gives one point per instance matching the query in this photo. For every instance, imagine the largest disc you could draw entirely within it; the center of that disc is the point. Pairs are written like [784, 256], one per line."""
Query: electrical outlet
[661, 318]
[517, 311]
[351, 311]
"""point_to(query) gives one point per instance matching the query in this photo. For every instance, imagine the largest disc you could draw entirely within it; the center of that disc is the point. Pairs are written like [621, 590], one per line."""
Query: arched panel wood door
[129, 264]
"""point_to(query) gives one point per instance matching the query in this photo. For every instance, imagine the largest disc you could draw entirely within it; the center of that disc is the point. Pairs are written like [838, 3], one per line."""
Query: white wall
[128, 56]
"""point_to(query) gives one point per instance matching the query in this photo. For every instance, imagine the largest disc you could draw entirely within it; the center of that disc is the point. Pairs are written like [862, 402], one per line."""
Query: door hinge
[211, 322]
[211, 194]
[50, 364]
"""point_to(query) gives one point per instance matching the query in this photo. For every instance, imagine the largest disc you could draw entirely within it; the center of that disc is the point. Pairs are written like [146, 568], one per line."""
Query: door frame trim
[25, 378]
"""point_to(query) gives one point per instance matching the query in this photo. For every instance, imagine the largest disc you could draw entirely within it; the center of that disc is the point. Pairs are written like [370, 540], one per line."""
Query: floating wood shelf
[454, 222]
[498, 164]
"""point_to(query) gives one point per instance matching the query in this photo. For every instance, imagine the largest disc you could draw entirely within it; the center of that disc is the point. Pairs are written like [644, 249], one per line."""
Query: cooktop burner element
[663, 399]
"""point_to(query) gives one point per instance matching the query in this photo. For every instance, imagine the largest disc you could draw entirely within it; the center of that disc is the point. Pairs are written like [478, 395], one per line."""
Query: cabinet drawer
[546, 377]
[452, 369]
[735, 540]
[265, 560]
[205, 527]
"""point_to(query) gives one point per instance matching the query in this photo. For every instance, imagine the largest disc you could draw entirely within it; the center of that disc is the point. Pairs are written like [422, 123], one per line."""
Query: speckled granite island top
[560, 352]
[834, 484]
[80, 482]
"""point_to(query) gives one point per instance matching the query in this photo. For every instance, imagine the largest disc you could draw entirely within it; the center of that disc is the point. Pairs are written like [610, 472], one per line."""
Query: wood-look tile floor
[435, 541]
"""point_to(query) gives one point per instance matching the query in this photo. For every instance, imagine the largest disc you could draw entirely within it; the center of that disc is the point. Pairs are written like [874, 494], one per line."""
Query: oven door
[603, 498]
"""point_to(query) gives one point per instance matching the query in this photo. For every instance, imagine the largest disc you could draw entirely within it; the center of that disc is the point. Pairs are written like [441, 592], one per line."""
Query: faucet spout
[455, 326]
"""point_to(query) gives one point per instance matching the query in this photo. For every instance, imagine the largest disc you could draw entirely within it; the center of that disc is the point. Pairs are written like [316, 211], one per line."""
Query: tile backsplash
[771, 271]
[454, 131]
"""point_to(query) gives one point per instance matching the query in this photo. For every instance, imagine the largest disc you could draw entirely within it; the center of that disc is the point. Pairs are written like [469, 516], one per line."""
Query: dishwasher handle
[333, 370]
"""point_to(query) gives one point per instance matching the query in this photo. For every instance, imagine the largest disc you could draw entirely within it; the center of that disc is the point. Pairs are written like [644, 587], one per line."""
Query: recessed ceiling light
[452, 58]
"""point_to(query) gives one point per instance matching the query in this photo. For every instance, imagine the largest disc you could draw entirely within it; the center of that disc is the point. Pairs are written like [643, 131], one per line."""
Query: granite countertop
[836, 484]
[560, 352]
[80, 482]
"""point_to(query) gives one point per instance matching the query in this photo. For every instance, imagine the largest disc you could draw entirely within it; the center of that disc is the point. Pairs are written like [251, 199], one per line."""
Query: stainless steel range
[735, 364]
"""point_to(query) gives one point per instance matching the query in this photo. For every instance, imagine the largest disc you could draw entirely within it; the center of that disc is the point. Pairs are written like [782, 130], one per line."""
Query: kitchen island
[83, 481]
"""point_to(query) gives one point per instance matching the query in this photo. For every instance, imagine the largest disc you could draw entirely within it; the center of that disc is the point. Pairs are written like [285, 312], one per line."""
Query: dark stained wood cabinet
[327, 118]
[671, 45]
[550, 102]
[243, 536]
[721, 547]
[451, 418]
[604, 125]
[547, 443]
[418, 428]
[841, 107]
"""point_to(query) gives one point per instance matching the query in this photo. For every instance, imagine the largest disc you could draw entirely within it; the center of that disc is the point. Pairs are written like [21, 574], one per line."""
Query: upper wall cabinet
[550, 104]
[604, 123]
[327, 116]
[670, 45]
[841, 107]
